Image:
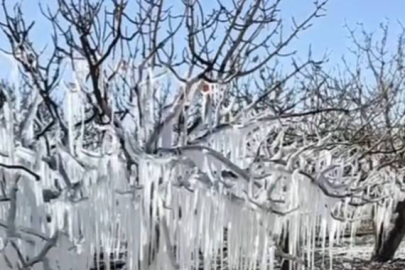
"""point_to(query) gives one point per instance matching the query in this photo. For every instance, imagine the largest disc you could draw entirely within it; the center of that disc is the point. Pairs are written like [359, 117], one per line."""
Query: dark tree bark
[285, 239]
[386, 247]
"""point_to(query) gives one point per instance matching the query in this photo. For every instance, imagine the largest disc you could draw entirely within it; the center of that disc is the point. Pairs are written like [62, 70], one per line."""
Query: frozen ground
[357, 257]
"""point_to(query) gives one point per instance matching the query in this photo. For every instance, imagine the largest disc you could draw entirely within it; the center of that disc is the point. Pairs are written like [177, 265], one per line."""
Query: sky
[327, 35]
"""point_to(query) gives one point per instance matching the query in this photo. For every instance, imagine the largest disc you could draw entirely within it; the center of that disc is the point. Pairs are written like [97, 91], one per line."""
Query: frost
[227, 196]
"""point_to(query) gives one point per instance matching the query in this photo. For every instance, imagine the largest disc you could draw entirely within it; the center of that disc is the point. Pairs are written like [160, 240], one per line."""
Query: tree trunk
[386, 247]
[285, 263]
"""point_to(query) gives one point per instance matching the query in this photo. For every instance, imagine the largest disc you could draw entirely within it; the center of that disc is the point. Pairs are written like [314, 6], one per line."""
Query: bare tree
[371, 90]
[385, 122]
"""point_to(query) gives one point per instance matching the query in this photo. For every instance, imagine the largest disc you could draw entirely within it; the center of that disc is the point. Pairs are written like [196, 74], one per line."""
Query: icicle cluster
[227, 201]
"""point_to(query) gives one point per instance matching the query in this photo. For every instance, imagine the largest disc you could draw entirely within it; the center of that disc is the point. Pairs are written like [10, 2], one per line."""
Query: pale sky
[327, 34]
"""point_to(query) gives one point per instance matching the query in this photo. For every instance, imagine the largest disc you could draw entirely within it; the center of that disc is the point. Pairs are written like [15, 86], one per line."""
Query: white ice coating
[209, 205]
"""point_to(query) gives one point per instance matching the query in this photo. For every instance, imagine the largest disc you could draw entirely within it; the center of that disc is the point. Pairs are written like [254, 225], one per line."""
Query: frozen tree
[375, 83]
[126, 146]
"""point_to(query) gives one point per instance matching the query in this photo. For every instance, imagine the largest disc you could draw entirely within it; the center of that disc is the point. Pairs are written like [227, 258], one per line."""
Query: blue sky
[329, 32]
[326, 35]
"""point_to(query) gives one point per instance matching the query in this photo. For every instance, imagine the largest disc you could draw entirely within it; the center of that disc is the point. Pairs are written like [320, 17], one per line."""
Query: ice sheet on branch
[229, 199]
